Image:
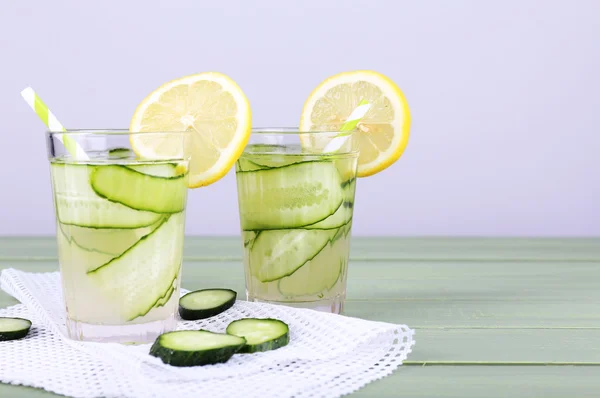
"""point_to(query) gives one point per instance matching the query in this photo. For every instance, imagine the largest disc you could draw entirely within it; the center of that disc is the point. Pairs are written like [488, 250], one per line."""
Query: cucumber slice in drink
[279, 253]
[248, 165]
[13, 328]
[249, 238]
[343, 214]
[165, 299]
[195, 347]
[108, 240]
[288, 197]
[167, 296]
[91, 248]
[139, 191]
[260, 334]
[100, 213]
[143, 274]
[321, 273]
[278, 160]
[70, 251]
[121, 153]
[166, 170]
[77, 204]
[202, 304]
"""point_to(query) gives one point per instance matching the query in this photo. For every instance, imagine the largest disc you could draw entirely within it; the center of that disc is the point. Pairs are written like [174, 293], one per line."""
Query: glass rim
[296, 131]
[97, 132]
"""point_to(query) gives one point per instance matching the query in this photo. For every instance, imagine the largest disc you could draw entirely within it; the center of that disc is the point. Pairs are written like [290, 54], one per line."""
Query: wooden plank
[11, 391]
[363, 248]
[441, 294]
[487, 381]
[507, 346]
[427, 281]
[452, 382]
[482, 314]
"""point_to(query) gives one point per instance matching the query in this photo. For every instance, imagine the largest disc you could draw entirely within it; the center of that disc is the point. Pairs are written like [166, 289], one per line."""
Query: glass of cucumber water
[296, 201]
[120, 228]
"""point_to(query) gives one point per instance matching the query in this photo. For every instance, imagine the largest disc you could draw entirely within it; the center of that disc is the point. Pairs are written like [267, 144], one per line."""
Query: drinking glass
[120, 219]
[296, 198]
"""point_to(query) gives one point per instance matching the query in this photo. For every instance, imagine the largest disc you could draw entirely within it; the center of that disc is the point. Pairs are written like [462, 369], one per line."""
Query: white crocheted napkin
[328, 355]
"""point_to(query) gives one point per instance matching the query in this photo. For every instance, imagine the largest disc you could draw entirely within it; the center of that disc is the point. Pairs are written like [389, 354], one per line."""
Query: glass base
[333, 305]
[125, 334]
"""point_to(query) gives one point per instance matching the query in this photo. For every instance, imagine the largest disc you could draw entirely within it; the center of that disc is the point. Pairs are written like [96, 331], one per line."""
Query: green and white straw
[53, 124]
[355, 117]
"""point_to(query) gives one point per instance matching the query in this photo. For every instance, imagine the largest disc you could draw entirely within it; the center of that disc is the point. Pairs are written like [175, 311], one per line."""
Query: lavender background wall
[505, 99]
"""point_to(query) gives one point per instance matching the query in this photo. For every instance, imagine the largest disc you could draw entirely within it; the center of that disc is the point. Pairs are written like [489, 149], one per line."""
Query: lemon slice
[215, 111]
[384, 130]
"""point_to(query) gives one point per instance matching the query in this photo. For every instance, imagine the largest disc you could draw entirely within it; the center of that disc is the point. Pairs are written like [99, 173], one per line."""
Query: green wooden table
[494, 317]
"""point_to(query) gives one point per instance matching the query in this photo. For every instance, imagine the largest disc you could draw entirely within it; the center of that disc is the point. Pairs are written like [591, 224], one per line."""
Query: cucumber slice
[167, 296]
[278, 160]
[165, 170]
[289, 196]
[348, 183]
[249, 238]
[107, 240]
[349, 188]
[13, 328]
[195, 347]
[260, 334]
[247, 165]
[145, 273]
[91, 248]
[77, 204]
[139, 191]
[100, 213]
[269, 161]
[70, 252]
[165, 299]
[121, 153]
[202, 304]
[343, 214]
[279, 253]
[321, 273]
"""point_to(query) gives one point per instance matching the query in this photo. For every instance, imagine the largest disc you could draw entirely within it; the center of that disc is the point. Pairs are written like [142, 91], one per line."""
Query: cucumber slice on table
[195, 347]
[139, 191]
[288, 197]
[260, 334]
[13, 328]
[141, 277]
[78, 204]
[279, 253]
[202, 304]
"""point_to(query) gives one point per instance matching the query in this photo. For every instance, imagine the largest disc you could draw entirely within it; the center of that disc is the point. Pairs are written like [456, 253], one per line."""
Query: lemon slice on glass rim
[382, 133]
[215, 112]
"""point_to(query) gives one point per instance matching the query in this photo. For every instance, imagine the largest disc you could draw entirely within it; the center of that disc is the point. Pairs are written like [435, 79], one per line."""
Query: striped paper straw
[356, 116]
[52, 123]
